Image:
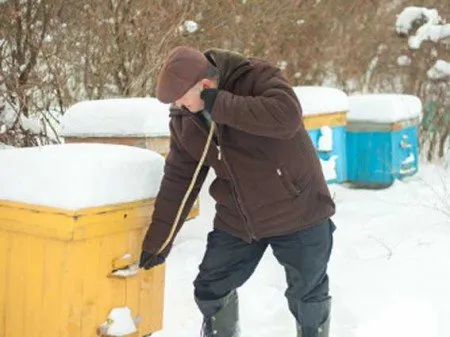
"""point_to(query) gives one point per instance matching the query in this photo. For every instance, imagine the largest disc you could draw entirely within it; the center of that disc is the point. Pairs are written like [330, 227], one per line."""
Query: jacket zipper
[236, 197]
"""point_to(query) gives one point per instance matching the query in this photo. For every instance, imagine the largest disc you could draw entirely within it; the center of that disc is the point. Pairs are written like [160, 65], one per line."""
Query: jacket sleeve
[178, 171]
[272, 111]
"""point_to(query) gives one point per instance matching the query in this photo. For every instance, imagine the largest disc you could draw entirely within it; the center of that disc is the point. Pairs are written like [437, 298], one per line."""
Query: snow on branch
[432, 27]
[428, 26]
[411, 15]
[188, 26]
[404, 60]
[440, 70]
[9, 117]
[429, 32]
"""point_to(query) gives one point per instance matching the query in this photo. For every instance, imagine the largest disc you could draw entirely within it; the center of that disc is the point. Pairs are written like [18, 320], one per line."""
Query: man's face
[191, 99]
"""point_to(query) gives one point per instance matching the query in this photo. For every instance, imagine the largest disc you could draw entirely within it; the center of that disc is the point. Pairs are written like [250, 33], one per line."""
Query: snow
[404, 60]
[31, 124]
[410, 15]
[440, 70]
[282, 64]
[119, 323]
[329, 167]
[430, 30]
[384, 108]
[5, 146]
[75, 176]
[189, 26]
[325, 139]
[325, 144]
[388, 271]
[409, 160]
[131, 270]
[48, 39]
[117, 117]
[8, 117]
[7, 114]
[316, 100]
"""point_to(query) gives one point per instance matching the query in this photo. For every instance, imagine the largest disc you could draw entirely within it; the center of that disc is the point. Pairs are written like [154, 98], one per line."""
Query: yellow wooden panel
[115, 246]
[111, 291]
[15, 286]
[52, 226]
[122, 262]
[91, 287]
[36, 220]
[34, 273]
[107, 223]
[74, 225]
[328, 119]
[63, 297]
[5, 246]
[54, 257]
[152, 296]
[133, 283]
[73, 282]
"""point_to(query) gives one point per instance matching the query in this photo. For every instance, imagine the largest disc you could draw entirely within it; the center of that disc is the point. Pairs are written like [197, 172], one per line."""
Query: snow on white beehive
[74, 176]
[138, 117]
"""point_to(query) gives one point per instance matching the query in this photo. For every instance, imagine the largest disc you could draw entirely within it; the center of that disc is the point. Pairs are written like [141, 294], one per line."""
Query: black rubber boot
[321, 331]
[220, 317]
[316, 321]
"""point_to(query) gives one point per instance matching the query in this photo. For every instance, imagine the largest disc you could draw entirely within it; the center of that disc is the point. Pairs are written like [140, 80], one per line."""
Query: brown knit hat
[183, 67]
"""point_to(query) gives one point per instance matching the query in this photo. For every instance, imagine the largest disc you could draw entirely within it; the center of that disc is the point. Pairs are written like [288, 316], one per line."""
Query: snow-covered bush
[428, 43]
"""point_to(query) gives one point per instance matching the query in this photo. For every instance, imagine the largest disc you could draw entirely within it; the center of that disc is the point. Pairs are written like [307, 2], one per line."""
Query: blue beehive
[325, 116]
[382, 138]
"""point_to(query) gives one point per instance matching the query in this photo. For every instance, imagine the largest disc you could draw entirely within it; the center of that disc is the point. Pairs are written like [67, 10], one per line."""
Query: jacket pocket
[294, 188]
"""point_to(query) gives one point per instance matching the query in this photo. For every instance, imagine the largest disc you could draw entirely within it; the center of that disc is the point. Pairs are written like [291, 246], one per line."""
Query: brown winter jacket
[269, 179]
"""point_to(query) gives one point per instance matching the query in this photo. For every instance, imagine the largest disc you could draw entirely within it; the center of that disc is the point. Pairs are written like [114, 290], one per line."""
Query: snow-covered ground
[389, 272]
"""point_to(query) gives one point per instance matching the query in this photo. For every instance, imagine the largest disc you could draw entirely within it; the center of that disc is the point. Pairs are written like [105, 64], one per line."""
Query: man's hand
[148, 260]
[209, 97]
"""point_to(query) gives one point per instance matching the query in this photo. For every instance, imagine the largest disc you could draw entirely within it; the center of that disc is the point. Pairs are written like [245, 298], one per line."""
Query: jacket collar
[231, 66]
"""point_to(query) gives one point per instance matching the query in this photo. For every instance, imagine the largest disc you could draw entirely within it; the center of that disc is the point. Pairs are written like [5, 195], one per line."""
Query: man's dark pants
[229, 262]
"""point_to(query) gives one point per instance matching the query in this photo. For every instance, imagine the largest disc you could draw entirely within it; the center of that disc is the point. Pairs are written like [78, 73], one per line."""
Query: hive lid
[384, 108]
[76, 176]
[316, 100]
[118, 117]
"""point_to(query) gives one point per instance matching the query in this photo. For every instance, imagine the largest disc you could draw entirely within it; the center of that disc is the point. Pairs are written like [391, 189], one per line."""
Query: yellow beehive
[322, 106]
[57, 269]
[140, 122]
[65, 270]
